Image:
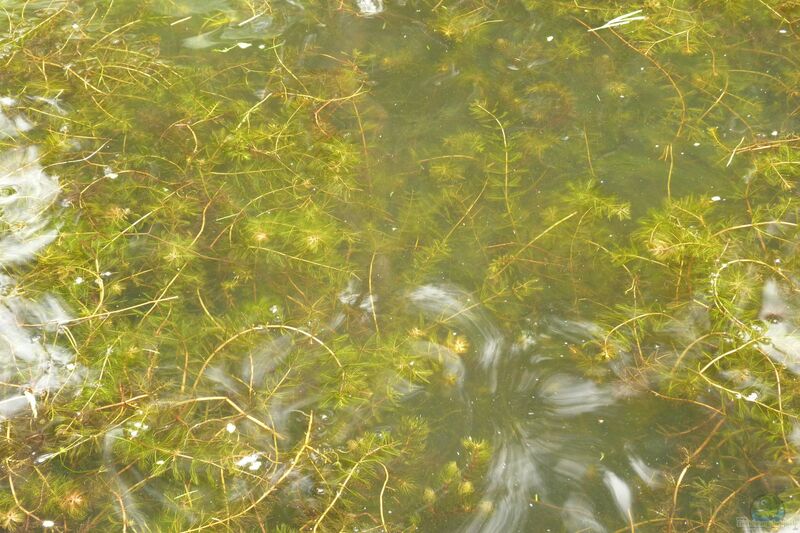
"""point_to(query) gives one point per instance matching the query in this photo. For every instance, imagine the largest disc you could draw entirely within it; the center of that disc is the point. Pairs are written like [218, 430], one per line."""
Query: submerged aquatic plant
[411, 265]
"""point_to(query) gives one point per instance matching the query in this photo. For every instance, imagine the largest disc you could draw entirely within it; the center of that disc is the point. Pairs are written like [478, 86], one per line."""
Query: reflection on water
[453, 305]
[237, 35]
[27, 194]
[547, 424]
[384, 265]
[32, 361]
[545, 421]
[781, 328]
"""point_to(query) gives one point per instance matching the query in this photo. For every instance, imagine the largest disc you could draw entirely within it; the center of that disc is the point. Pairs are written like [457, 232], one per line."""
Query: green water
[399, 265]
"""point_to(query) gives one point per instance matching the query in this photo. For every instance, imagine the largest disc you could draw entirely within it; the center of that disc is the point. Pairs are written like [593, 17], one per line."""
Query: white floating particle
[248, 459]
[45, 457]
[782, 30]
[31, 402]
[244, 45]
[753, 396]
[370, 7]
[550, 38]
[109, 173]
[48, 523]
[75, 26]
[716, 198]
[261, 46]
[160, 462]
[774, 133]
[230, 428]
[78, 280]
[22, 125]
[621, 20]
[696, 144]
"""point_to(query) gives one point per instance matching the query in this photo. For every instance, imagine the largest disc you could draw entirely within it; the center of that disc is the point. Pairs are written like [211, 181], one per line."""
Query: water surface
[380, 265]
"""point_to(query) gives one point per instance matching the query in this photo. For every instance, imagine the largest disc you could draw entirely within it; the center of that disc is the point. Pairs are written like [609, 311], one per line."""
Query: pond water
[399, 265]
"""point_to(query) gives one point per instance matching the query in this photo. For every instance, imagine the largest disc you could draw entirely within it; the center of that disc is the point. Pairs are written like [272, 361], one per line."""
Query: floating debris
[621, 20]
[369, 8]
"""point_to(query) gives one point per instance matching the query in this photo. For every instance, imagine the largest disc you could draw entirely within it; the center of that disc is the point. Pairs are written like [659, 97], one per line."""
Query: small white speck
[255, 465]
[716, 198]
[774, 133]
[782, 30]
[75, 26]
[230, 428]
[550, 38]
[244, 45]
[600, 421]
[78, 280]
[70, 366]
[753, 396]
[134, 433]
[261, 46]
[160, 462]
[696, 144]
[777, 261]
[622, 96]
[48, 523]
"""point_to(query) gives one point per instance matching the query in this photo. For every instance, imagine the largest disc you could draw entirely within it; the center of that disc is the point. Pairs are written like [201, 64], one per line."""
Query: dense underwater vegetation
[399, 265]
